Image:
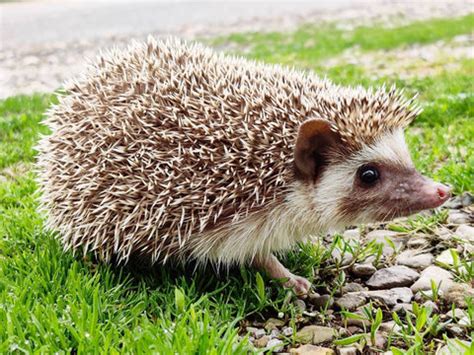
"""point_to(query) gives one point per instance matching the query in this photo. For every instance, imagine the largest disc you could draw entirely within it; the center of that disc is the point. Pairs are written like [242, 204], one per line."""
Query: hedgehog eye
[368, 174]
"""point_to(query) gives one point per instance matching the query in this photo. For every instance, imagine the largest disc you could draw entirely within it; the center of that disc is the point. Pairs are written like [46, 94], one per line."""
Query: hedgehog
[168, 150]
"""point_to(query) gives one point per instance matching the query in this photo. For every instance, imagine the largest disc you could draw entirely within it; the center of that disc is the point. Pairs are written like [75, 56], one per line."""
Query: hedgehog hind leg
[275, 269]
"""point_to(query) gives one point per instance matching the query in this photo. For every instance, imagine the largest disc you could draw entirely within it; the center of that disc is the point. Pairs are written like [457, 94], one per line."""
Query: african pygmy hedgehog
[170, 150]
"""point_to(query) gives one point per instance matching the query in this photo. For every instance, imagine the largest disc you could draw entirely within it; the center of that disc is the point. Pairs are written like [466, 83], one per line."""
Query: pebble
[467, 199]
[380, 340]
[454, 346]
[446, 257]
[309, 349]
[455, 330]
[360, 323]
[433, 306]
[382, 235]
[350, 302]
[261, 342]
[418, 243]
[457, 294]
[394, 276]
[353, 234]
[412, 258]
[275, 345]
[421, 296]
[256, 332]
[322, 301]
[389, 326]
[457, 313]
[343, 258]
[352, 287]
[454, 203]
[273, 323]
[287, 331]
[352, 350]
[439, 275]
[315, 334]
[465, 232]
[403, 308]
[456, 217]
[363, 269]
[275, 333]
[392, 296]
[300, 305]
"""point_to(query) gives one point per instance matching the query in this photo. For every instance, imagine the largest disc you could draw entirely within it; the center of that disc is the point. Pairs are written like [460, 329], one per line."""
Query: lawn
[52, 301]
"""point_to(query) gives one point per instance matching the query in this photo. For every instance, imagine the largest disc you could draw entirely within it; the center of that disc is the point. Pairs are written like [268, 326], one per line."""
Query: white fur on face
[337, 181]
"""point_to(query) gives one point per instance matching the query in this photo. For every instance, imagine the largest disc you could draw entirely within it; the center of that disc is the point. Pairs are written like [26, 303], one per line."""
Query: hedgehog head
[357, 162]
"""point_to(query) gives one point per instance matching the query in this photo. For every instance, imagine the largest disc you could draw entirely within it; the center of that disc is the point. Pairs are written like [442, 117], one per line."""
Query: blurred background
[45, 42]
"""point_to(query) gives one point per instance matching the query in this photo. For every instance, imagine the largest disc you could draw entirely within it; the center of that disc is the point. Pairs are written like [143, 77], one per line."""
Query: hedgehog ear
[314, 138]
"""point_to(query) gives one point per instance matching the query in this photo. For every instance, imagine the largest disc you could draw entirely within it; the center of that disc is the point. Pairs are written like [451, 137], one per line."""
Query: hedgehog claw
[276, 270]
[299, 284]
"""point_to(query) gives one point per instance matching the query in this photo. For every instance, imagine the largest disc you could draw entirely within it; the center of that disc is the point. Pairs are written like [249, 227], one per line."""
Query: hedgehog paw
[299, 284]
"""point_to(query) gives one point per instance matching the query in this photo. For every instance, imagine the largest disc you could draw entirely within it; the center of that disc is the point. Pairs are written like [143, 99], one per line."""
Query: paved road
[33, 23]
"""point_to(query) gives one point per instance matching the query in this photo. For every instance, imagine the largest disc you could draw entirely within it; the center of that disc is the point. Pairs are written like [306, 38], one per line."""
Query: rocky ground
[416, 274]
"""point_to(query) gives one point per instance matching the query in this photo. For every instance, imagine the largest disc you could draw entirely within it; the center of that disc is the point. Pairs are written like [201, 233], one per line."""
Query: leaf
[349, 340]
[179, 300]
[260, 287]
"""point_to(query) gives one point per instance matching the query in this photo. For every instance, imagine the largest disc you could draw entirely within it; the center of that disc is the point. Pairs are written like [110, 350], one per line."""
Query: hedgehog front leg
[272, 266]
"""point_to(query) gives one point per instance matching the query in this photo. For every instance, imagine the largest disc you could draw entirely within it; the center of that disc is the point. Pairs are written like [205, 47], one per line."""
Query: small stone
[392, 296]
[446, 257]
[465, 232]
[439, 275]
[457, 294]
[453, 203]
[261, 342]
[421, 296]
[455, 330]
[352, 287]
[343, 258]
[314, 334]
[351, 350]
[380, 340]
[323, 301]
[457, 313]
[456, 217]
[256, 332]
[353, 234]
[418, 243]
[300, 305]
[356, 322]
[467, 199]
[363, 269]
[287, 331]
[275, 345]
[309, 349]
[350, 302]
[414, 259]
[464, 322]
[389, 326]
[433, 306]
[381, 236]
[275, 333]
[394, 276]
[403, 308]
[273, 323]
[454, 347]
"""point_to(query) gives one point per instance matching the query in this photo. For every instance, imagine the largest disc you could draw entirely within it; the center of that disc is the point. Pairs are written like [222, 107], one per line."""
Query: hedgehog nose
[444, 192]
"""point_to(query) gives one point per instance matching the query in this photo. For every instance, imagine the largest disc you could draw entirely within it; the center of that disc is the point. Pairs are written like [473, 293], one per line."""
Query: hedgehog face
[375, 183]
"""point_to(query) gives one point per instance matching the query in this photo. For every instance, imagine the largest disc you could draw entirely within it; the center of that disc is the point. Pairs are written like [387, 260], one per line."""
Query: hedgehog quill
[170, 151]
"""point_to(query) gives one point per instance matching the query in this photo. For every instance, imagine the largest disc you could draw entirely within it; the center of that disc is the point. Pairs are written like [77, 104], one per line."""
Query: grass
[51, 301]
